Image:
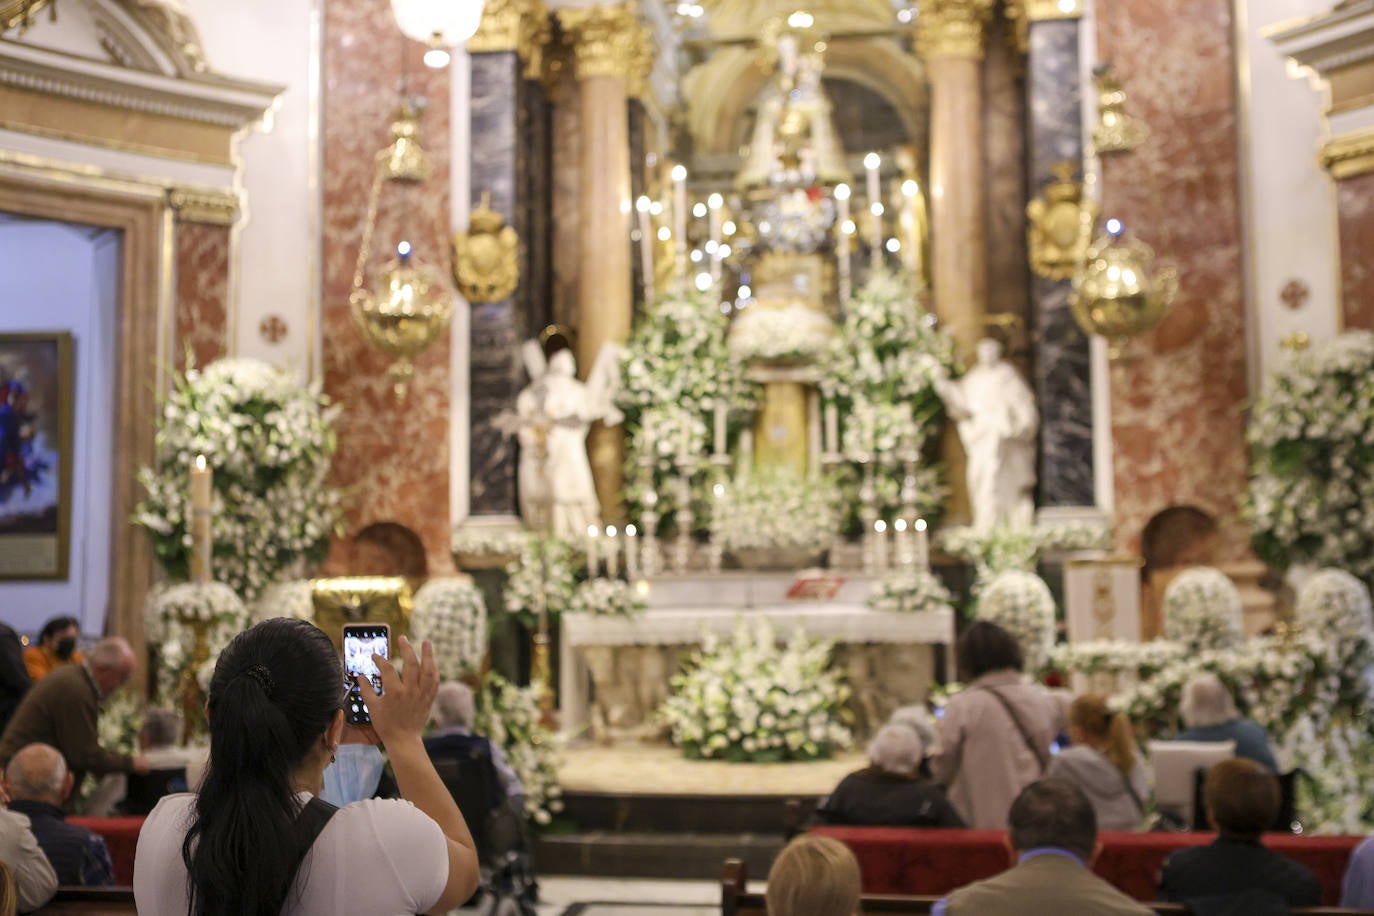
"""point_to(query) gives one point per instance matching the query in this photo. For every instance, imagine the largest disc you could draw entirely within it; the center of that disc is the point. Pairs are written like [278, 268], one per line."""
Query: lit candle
[714, 203]
[880, 544]
[911, 231]
[872, 162]
[814, 447]
[612, 552]
[631, 552]
[680, 215]
[922, 545]
[842, 244]
[832, 428]
[593, 562]
[903, 559]
[646, 246]
[746, 452]
[202, 544]
[720, 426]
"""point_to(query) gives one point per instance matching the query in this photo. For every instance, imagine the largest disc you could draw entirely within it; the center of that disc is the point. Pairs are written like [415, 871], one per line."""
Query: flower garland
[171, 620]
[776, 512]
[472, 540]
[748, 699]
[451, 614]
[1202, 610]
[1020, 602]
[911, 592]
[544, 576]
[1004, 548]
[286, 599]
[880, 372]
[509, 716]
[1311, 496]
[607, 598]
[270, 442]
[676, 367]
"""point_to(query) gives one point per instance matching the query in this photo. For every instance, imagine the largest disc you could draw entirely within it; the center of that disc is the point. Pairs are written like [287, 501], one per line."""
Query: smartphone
[361, 641]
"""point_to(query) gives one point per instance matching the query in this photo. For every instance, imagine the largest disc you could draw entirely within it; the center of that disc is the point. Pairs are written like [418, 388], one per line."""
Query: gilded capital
[209, 207]
[515, 25]
[1021, 13]
[608, 40]
[952, 28]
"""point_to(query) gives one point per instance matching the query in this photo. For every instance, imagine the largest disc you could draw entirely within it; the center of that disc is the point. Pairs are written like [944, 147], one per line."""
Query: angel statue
[554, 414]
[994, 411]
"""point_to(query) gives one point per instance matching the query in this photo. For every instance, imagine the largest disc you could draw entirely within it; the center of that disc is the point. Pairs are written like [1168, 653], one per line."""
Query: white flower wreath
[1020, 602]
[766, 512]
[174, 614]
[1202, 610]
[451, 614]
[1335, 607]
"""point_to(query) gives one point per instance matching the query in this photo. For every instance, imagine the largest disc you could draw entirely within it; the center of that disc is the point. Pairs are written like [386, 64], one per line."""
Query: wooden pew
[100, 901]
[737, 900]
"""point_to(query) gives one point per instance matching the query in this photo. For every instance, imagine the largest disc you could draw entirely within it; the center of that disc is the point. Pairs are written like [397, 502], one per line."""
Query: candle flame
[200, 462]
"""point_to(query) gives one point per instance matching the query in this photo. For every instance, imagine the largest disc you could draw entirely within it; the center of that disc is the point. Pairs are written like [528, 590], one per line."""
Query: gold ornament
[486, 258]
[20, 13]
[1296, 341]
[1119, 292]
[1054, 233]
[361, 599]
[952, 28]
[1116, 131]
[607, 40]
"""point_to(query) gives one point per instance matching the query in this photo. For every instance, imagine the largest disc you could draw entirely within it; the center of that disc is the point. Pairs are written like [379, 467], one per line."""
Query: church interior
[694, 373]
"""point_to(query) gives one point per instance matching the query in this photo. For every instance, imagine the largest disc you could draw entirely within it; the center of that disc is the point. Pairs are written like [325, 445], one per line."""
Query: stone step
[690, 856]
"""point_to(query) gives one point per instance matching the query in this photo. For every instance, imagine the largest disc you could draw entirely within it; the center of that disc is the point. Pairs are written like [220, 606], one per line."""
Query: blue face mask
[354, 774]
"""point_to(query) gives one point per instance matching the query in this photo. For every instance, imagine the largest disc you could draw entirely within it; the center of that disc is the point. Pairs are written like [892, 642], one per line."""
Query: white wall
[77, 290]
[1290, 203]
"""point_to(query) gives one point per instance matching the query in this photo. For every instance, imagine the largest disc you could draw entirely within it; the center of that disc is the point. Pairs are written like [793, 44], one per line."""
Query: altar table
[902, 861]
[682, 608]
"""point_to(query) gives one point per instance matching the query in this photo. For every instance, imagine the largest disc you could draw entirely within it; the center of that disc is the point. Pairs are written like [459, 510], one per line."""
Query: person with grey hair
[1209, 714]
[38, 784]
[890, 792]
[62, 710]
[453, 713]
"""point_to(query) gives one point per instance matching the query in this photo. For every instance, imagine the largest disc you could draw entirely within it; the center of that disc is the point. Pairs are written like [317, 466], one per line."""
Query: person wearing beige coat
[996, 733]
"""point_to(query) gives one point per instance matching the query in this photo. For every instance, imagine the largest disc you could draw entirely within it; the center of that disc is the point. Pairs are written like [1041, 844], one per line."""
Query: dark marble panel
[1062, 372]
[534, 167]
[638, 120]
[1004, 201]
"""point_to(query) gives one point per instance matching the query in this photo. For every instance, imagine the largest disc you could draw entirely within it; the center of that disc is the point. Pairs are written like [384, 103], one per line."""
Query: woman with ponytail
[1103, 762]
[257, 841]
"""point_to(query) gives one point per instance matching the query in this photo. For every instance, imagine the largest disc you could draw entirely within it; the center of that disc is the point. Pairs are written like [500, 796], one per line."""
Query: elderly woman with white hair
[1209, 714]
[890, 792]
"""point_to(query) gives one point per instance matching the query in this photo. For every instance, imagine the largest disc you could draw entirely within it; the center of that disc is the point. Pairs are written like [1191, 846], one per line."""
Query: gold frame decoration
[36, 455]
[19, 13]
[1054, 225]
[486, 258]
[361, 599]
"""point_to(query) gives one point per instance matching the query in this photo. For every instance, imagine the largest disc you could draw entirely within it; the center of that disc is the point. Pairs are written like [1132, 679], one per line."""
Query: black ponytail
[275, 690]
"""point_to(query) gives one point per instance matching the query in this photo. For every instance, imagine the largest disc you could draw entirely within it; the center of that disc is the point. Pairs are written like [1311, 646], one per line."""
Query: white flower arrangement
[1115, 656]
[910, 592]
[607, 598]
[1335, 606]
[509, 716]
[286, 599]
[1020, 602]
[1005, 547]
[452, 614]
[749, 699]
[173, 617]
[794, 333]
[487, 540]
[776, 512]
[1311, 437]
[120, 720]
[545, 577]
[1202, 610]
[270, 441]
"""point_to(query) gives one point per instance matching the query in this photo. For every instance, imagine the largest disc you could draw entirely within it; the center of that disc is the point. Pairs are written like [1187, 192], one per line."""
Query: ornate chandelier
[410, 305]
[20, 13]
[441, 24]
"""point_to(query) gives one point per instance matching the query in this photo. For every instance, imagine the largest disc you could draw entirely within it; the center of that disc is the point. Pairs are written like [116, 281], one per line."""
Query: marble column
[1062, 372]
[608, 44]
[951, 43]
[1355, 210]
[509, 160]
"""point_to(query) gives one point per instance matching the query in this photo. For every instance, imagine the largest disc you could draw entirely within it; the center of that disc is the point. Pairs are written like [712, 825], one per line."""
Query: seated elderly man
[1236, 873]
[1209, 713]
[452, 713]
[38, 785]
[890, 792]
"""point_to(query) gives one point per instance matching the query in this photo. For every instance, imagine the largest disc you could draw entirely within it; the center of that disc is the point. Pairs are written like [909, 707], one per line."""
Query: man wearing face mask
[56, 646]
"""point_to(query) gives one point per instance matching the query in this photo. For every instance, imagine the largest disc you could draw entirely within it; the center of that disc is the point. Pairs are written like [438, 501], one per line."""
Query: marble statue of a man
[994, 411]
[565, 411]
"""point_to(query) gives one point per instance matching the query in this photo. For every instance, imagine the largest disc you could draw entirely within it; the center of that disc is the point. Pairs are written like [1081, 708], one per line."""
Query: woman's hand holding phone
[402, 709]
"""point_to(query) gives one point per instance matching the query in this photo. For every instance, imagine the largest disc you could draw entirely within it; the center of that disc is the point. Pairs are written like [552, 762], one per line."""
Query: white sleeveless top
[374, 858]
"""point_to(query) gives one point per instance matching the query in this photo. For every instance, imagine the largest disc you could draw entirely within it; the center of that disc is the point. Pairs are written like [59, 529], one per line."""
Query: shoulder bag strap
[310, 823]
[1135, 796]
[1041, 757]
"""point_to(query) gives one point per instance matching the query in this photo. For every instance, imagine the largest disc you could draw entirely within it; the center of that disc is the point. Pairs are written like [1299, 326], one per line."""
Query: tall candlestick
[202, 541]
[872, 162]
[714, 203]
[911, 228]
[680, 217]
[832, 428]
[746, 452]
[593, 560]
[612, 552]
[719, 426]
[842, 243]
[646, 246]
[814, 447]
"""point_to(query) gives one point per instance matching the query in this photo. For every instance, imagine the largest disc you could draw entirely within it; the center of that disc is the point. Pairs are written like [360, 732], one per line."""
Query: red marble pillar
[1177, 426]
[202, 293]
[393, 457]
[1355, 208]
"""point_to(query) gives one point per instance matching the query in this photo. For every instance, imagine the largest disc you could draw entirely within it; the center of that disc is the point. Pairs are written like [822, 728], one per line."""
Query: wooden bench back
[92, 901]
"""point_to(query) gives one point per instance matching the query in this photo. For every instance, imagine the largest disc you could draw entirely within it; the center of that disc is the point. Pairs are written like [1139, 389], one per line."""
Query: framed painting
[37, 401]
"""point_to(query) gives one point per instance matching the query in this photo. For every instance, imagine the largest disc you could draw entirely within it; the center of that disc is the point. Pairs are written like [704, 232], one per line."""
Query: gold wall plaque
[486, 262]
[361, 599]
[1054, 225]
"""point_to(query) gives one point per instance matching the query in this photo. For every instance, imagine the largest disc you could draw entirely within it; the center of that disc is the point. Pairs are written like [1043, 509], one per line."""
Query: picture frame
[37, 406]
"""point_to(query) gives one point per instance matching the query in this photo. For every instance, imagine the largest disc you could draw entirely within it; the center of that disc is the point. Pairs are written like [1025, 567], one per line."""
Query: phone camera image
[360, 644]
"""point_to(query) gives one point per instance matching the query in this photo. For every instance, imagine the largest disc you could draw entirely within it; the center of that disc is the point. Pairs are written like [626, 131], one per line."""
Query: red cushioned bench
[121, 836]
[898, 861]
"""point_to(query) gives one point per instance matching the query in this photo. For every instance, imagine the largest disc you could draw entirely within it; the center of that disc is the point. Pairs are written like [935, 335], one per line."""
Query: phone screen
[360, 643]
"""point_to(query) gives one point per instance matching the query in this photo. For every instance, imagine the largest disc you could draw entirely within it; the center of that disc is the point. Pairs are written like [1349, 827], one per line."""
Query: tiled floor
[614, 897]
